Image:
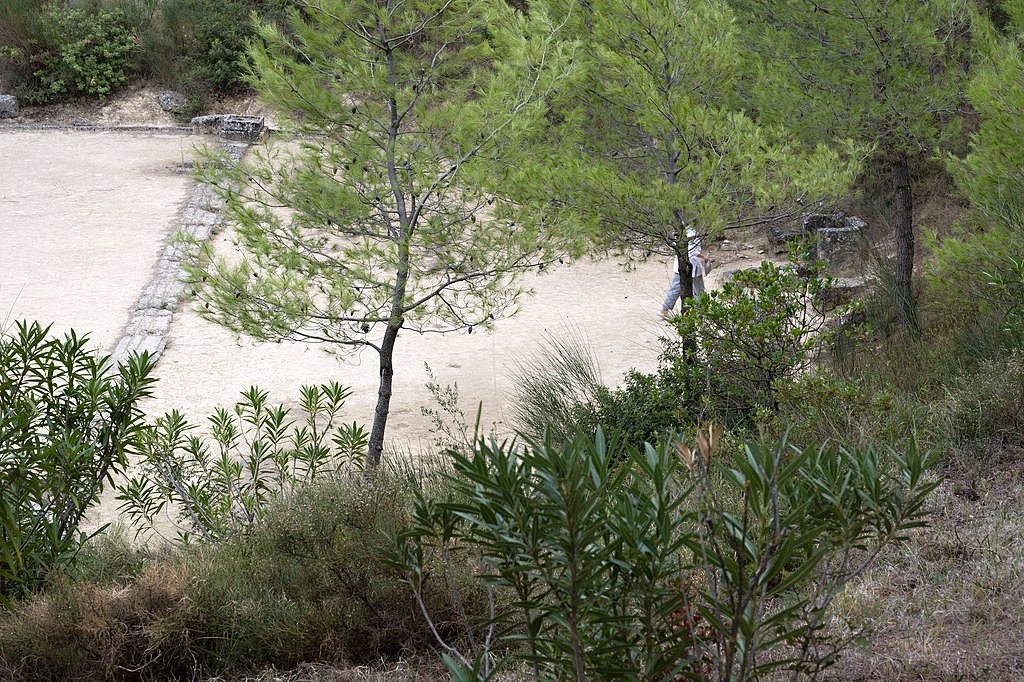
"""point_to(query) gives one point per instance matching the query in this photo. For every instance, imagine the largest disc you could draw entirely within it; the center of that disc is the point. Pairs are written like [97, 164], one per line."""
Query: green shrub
[256, 453]
[75, 53]
[819, 408]
[68, 423]
[983, 412]
[313, 582]
[676, 563]
[650, 406]
[758, 333]
[198, 46]
[109, 558]
[558, 392]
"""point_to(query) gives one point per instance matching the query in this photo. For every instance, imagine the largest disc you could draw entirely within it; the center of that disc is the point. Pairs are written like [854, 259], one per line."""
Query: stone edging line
[150, 320]
[94, 128]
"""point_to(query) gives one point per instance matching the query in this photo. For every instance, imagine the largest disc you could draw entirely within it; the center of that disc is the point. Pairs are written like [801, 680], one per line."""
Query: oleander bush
[673, 563]
[69, 422]
[212, 487]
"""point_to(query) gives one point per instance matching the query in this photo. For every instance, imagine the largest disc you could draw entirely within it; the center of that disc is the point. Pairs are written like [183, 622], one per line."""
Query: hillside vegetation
[805, 488]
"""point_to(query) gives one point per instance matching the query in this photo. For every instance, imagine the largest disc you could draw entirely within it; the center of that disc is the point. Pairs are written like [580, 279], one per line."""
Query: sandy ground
[83, 217]
[85, 214]
[614, 311]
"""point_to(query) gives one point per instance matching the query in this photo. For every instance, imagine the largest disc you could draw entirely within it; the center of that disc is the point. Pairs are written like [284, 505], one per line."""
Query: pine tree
[991, 175]
[381, 212]
[887, 74]
[657, 138]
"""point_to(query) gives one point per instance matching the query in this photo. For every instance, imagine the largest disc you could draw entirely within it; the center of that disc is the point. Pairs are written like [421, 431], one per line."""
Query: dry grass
[405, 671]
[949, 605]
[91, 632]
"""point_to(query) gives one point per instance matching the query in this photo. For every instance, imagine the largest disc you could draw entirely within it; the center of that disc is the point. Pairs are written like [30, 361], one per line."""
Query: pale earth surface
[84, 216]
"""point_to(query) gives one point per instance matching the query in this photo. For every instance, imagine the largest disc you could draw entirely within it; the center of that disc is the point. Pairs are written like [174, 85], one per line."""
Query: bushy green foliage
[110, 558]
[315, 582]
[781, 530]
[970, 299]
[558, 392]
[989, 176]
[312, 582]
[199, 46]
[676, 563]
[756, 334]
[652, 139]
[649, 406]
[68, 423]
[19, 22]
[822, 407]
[74, 53]
[62, 50]
[588, 551]
[734, 350]
[256, 453]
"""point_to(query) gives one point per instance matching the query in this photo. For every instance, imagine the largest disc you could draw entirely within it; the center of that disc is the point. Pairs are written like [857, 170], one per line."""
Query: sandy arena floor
[84, 215]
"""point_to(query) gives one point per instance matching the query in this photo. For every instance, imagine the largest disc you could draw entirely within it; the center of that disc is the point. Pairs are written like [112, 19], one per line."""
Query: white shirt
[693, 250]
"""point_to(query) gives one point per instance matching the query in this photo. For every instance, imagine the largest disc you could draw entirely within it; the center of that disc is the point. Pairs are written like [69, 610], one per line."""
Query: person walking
[700, 264]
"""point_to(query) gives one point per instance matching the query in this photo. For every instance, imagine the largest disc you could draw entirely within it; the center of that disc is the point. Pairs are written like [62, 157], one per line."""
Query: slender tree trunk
[904, 224]
[683, 256]
[375, 448]
[685, 273]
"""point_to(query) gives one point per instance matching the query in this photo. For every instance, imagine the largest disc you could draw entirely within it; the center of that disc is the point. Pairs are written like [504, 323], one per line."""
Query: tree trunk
[375, 448]
[904, 224]
[682, 248]
[685, 275]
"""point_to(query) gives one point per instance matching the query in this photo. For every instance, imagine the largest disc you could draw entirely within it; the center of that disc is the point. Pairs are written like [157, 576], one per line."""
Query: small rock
[8, 106]
[171, 101]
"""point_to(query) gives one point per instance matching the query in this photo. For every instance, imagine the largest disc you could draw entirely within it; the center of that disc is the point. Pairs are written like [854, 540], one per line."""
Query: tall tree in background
[991, 176]
[885, 73]
[381, 215]
[655, 139]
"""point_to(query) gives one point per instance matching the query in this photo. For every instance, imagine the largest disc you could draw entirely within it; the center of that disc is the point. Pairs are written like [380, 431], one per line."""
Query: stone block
[230, 127]
[244, 128]
[814, 222]
[207, 125]
[171, 101]
[8, 106]
[842, 292]
[840, 246]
